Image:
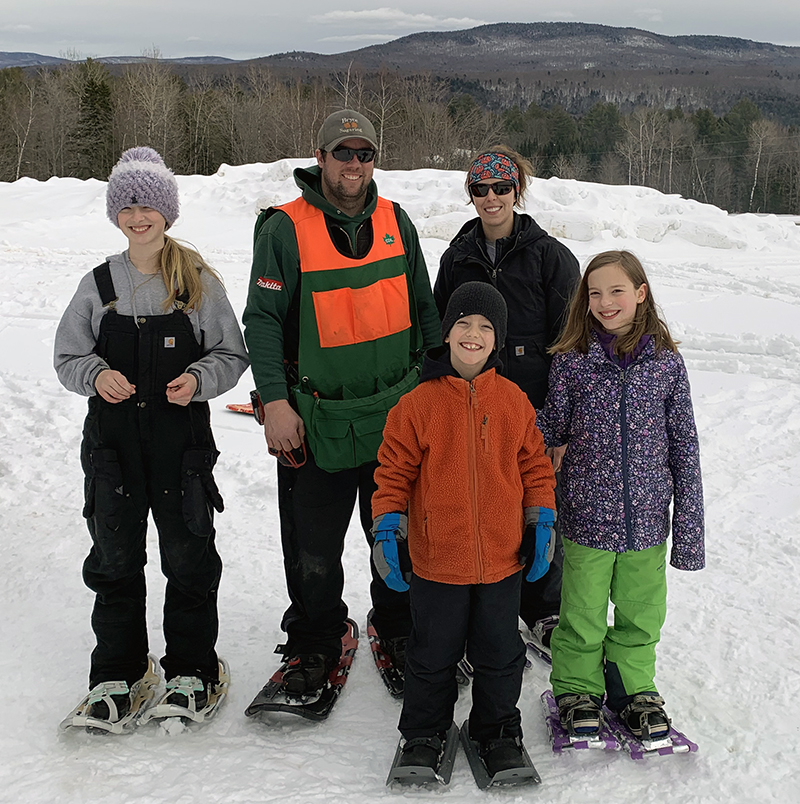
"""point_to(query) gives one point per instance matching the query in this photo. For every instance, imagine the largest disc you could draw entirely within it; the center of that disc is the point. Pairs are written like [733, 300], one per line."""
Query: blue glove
[390, 551]
[538, 542]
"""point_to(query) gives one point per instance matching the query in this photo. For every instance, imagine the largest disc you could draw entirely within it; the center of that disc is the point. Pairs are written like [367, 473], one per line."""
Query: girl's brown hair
[181, 266]
[524, 167]
[646, 321]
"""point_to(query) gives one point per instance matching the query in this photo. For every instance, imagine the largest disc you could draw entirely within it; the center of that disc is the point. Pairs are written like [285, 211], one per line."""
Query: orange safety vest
[359, 341]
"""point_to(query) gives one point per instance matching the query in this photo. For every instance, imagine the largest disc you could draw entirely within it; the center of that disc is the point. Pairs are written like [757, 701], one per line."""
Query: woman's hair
[523, 166]
[181, 267]
[646, 321]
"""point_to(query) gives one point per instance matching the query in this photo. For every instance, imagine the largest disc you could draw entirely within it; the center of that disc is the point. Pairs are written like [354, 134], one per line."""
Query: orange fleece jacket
[465, 458]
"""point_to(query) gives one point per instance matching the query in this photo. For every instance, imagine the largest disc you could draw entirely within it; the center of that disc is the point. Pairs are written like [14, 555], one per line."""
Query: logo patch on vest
[388, 239]
[269, 284]
[519, 351]
[169, 342]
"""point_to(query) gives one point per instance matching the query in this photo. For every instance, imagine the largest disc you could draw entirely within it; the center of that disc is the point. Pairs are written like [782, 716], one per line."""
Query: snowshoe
[646, 743]
[561, 737]
[392, 675]
[111, 707]
[316, 706]
[425, 760]
[537, 638]
[500, 762]
[188, 698]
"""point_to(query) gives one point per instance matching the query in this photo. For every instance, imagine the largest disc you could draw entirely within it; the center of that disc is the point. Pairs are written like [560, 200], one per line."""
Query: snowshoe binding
[190, 699]
[304, 687]
[425, 760]
[537, 638]
[646, 730]
[502, 761]
[112, 707]
[568, 723]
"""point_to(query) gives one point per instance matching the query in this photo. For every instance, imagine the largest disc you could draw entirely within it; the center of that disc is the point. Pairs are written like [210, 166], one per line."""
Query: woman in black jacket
[536, 276]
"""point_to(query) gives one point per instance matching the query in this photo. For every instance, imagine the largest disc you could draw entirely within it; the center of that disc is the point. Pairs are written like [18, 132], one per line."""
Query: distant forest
[76, 119]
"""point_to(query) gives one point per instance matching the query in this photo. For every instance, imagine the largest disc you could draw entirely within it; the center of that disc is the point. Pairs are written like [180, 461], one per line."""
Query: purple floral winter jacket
[632, 448]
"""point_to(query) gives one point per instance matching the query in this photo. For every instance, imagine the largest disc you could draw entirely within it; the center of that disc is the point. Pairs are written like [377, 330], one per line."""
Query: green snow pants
[587, 652]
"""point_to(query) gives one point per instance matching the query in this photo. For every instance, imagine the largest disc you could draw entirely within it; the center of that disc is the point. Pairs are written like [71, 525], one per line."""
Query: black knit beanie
[477, 298]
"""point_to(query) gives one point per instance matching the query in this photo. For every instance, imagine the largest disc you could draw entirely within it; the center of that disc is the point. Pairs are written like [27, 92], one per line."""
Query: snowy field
[728, 667]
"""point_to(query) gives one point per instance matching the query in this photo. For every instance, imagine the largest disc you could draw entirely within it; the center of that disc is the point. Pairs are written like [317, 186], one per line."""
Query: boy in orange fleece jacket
[465, 492]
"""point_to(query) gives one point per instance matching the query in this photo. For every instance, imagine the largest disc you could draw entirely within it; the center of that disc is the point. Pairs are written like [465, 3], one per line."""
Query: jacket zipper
[626, 492]
[473, 479]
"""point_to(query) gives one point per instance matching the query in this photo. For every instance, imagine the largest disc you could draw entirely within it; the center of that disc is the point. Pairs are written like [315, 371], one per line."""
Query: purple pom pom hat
[141, 178]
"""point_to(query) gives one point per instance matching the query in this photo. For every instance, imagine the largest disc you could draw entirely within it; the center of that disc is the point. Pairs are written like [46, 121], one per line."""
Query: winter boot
[580, 714]
[645, 716]
[422, 752]
[395, 649]
[542, 630]
[110, 701]
[307, 673]
[502, 753]
[189, 692]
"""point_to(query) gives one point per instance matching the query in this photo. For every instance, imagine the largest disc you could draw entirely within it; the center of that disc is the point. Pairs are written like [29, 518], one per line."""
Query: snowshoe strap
[105, 691]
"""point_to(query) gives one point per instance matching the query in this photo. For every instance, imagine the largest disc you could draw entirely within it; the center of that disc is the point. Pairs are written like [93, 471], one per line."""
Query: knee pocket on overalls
[105, 496]
[200, 495]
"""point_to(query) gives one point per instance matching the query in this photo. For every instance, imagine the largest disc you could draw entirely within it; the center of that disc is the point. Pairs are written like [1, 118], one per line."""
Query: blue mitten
[538, 542]
[390, 551]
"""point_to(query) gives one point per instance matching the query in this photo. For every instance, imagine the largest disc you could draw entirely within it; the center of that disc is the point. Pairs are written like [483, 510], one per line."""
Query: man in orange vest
[339, 312]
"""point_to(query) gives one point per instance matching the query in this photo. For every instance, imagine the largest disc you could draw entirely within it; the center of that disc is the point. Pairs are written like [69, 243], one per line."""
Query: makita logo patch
[269, 284]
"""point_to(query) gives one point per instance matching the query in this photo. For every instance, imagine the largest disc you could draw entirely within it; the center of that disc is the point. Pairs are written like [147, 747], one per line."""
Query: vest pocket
[200, 495]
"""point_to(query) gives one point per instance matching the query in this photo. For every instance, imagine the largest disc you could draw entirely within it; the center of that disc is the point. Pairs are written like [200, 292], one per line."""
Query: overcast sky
[242, 29]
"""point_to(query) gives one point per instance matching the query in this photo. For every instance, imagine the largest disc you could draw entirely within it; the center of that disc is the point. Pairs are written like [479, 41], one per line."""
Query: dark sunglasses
[346, 154]
[500, 188]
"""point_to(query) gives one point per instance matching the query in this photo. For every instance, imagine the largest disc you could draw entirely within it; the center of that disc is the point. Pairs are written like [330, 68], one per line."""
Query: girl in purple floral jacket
[619, 401]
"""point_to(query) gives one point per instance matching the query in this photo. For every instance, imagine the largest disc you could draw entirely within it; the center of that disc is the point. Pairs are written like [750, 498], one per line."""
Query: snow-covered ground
[728, 668]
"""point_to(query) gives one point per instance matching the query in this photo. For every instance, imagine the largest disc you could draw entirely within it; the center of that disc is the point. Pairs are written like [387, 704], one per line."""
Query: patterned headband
[493, 166]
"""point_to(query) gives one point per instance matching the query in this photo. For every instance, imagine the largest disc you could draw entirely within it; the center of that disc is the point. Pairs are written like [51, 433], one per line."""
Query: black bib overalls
[147, 455]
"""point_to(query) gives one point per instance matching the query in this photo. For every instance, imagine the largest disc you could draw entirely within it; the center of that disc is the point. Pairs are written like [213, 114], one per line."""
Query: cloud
[398, 19]
[650, 14]
[16, 28]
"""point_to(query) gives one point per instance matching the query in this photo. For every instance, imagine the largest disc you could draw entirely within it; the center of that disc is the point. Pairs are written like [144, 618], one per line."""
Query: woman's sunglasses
[346, 154]
[499, 188]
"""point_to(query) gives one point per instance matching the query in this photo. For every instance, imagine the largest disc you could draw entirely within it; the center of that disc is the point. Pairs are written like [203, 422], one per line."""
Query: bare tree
[151, 107]
[21, 108]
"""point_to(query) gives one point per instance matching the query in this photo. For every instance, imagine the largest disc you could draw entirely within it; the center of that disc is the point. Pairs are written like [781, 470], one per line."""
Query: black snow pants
[147, 455]
[447, 617]
[315, 510]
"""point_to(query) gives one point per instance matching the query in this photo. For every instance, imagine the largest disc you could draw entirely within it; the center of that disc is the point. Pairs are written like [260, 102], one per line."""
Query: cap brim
[339, 140]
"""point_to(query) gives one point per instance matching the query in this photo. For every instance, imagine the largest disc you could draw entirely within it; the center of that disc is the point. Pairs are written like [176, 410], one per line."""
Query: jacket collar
[436, 363]
[470, 239]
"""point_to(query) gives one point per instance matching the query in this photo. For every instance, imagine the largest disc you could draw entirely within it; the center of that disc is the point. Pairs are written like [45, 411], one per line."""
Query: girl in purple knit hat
[619, 401]
[149, 337]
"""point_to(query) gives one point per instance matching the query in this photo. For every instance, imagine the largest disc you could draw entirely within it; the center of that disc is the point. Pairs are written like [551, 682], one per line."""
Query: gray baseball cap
[345, 125]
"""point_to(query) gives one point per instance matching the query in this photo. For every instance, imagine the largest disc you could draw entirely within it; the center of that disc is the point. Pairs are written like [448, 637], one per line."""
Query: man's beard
[337, 193]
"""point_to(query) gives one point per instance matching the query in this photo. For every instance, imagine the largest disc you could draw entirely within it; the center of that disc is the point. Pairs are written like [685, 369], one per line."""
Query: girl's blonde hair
[524, 167]
[646, 321]
[181, 267]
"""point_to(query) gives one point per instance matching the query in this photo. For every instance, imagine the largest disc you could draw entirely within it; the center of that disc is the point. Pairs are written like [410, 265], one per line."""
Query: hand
[283, 427]
[538, 542]
[556, 455]
[113, 386]
[390, 551]
[181, 390]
